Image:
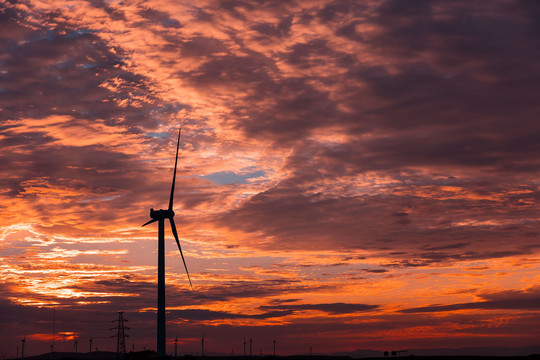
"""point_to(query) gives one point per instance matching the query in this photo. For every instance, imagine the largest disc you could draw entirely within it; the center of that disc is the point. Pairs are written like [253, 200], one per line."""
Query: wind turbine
[202, 345]
[160, 216]
[23, 344]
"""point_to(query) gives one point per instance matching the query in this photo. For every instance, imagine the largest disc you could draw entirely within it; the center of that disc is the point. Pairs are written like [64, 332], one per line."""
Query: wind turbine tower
[75, 344]
[160, 216]
[244, 346]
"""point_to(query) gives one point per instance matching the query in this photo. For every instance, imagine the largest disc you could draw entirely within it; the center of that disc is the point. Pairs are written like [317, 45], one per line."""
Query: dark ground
[151, 355]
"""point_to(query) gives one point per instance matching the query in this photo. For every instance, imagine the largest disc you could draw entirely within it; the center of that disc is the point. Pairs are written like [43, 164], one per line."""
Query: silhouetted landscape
[523, 353]
[143, 355]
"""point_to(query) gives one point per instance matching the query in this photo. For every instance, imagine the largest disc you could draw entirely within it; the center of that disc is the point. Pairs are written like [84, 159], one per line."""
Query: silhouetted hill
[96, 355]
[476, 351]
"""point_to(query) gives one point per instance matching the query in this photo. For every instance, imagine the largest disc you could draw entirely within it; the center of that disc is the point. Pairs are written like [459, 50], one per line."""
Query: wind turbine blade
[151, 221]
[173, 227]
[174, 174]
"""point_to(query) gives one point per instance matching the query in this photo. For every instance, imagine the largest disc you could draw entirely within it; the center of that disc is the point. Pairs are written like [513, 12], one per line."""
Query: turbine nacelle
[161, 214]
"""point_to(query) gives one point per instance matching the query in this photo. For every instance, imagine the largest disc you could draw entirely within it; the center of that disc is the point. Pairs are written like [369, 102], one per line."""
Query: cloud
[378, 142]
[510, 299]
[201, 315]
[272, 311]
[332, 309]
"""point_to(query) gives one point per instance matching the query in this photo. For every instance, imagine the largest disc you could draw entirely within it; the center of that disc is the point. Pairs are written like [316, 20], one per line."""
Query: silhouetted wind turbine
[160, 216]
[202, 345]
[23, 343]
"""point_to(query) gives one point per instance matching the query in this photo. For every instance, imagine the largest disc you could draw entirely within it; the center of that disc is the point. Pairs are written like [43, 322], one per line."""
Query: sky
[352, 174]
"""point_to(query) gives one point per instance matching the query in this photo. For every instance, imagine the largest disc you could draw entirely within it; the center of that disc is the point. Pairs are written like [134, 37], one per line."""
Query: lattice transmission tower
[120, 336]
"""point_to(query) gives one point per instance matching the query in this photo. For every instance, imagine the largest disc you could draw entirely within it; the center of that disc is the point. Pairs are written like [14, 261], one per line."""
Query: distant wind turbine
[23, 344]
[202, 345]
[160, 216]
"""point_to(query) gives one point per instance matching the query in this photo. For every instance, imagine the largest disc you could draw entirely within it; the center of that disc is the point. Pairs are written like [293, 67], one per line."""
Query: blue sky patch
[229, 177]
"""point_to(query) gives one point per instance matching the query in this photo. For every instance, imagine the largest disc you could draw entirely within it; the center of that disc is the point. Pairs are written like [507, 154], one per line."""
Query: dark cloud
[112, 12]
[198, 47]
[333, 309]
[202, 315]
[281, 29]
[156, 16]
[59, 71]
[510, 299]
[245, 289]
[62, 69]
[369, 222]
[336, 8]
[272, 311]
[375, 271]
[54, 73]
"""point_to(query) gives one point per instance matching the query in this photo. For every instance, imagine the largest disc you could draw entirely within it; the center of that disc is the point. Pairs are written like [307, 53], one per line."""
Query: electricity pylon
[120, 336]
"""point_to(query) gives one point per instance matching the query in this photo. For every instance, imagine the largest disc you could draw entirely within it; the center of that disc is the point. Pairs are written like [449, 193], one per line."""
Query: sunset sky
[352, 174]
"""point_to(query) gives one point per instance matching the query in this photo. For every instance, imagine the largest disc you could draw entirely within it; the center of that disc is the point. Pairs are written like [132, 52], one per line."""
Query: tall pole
[54, 330]
[23, 343]
[161, 289]
[274, 347]
[244, 346]
[176, 347]
[250, 341]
